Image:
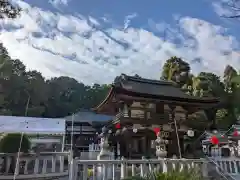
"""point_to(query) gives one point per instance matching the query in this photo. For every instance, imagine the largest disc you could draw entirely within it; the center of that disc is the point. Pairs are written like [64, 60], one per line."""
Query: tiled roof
[155, 88]
[89, 116]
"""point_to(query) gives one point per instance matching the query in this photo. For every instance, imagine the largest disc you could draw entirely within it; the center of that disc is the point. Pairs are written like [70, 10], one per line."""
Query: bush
[174, 175]
[9, 143]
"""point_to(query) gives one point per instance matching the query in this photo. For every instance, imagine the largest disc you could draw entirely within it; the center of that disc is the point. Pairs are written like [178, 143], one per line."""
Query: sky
[94, 41]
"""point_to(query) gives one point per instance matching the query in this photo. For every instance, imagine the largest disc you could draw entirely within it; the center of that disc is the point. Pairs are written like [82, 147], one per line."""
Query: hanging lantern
[235, 133]
[118, 126]
[156, 130]
[214, 140]
[135, 130]
[190, 133]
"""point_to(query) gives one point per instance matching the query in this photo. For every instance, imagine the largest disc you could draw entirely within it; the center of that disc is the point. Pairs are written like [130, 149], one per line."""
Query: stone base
[105, 156]
[105, 170]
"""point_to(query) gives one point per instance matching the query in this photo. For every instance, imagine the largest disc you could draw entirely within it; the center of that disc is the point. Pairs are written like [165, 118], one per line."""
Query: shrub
[192, 174]
[9, 143]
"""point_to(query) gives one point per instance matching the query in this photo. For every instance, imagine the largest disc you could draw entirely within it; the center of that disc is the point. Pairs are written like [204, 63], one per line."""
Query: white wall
[31, 125]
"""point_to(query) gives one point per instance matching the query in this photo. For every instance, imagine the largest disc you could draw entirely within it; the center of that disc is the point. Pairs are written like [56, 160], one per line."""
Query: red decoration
[235, 133]
[156, 130]
[214, 140]
[118, 126]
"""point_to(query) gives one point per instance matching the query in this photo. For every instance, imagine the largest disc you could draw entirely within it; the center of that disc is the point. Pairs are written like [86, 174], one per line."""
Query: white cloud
[128, 20]
[57, 3]
[57, 44]
[221, 9]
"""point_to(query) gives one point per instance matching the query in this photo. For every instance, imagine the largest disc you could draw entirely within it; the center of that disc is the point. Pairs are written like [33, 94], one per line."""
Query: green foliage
[9, 143]
[174, 175]
[176, 70]
[207, 84]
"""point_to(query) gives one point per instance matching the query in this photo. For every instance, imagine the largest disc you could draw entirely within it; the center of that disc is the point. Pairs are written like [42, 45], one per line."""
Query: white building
[44, 132]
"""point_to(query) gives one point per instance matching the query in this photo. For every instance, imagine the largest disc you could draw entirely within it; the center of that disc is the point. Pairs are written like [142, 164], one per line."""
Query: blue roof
[89, 116]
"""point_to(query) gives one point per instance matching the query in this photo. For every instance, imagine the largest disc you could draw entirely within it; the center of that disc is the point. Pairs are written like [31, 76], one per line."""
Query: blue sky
[85, 39]
[155, 10]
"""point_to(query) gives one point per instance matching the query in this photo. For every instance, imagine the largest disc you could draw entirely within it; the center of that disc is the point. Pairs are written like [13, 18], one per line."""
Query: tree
[67, 96]
[232, 90]
[207, 84]
[211, 85]
[10, 143]
[229, 74]
[176, 70]
[8, 10]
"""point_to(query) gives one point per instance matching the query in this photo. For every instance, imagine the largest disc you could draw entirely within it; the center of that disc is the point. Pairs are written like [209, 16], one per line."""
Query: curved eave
[109, 96]
[191, 102]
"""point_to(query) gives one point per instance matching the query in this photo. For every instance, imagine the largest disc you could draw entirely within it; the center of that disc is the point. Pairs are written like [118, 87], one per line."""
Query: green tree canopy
[10, 143]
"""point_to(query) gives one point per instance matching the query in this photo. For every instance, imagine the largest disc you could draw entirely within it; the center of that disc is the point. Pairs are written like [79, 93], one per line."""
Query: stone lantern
[104, 145]
[102, 171]
[160, 144]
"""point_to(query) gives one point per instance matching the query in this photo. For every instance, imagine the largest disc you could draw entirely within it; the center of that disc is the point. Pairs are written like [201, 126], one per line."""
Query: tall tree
[205, 84]
[8, 10]
[232, 82]
[176, 70]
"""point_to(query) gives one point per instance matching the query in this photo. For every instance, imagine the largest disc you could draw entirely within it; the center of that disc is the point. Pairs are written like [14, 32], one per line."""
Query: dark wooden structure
[83, 127]
[141, 104]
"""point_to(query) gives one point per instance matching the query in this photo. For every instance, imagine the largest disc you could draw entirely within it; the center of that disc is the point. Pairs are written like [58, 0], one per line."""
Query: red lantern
[156, 130]
[235, 133]
[214, 140]
[118, 126]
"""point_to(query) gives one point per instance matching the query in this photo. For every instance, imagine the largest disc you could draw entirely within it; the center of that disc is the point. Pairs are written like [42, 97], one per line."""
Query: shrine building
[144, 107]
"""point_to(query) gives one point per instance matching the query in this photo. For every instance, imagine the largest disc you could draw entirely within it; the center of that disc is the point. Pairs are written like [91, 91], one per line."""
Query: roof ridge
[145, 80]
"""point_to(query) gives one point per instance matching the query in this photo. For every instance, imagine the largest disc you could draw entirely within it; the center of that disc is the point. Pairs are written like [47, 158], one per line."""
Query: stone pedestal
[160, 147]
[104, 154]
[104, 171]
